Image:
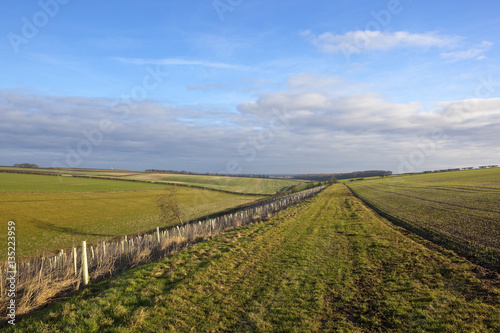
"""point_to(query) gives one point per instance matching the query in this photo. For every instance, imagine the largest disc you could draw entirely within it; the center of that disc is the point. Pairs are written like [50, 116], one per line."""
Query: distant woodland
[339, 176]
[26, 165]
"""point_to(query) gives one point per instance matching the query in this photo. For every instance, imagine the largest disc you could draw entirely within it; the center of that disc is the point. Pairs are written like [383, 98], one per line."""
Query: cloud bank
[304, 128]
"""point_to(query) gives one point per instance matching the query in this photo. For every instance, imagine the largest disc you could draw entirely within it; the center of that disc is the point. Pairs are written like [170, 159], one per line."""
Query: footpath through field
[329, 264]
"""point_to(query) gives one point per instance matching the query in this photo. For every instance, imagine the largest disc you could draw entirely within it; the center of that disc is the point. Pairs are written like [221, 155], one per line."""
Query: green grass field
[10, 183]
[329, 264]
[233, 184]
[55, 212]
[457, 209]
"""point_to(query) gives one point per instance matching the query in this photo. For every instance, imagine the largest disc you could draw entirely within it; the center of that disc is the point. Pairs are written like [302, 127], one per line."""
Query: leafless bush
[167, 202]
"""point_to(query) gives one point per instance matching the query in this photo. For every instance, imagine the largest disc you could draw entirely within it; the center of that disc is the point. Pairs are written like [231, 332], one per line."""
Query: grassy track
[459, 210]
[329, 264]
[55, 212]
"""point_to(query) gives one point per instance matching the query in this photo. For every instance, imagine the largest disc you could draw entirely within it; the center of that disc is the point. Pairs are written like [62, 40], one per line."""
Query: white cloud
[476, 52]
[314, 81]
[205, 87]
[326, 84]
[470, 113]
[358, 41]
[355, 113]
[177, 61]
[368, 128]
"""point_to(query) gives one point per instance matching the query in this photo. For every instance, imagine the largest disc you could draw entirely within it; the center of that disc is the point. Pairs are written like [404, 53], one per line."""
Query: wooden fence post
[158, 234]
[74, 260]
[40, 273]
[85, 265]
[61, 259]
[125, 247]
[1, 282]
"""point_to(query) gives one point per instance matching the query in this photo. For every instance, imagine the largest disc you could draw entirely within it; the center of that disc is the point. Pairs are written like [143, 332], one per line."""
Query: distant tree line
[459, 169]
[26, 165]
[323, 177]
[356, 174]
[206, 173]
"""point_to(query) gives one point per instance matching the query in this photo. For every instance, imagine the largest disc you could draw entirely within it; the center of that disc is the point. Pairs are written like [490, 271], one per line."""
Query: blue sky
[250, 86]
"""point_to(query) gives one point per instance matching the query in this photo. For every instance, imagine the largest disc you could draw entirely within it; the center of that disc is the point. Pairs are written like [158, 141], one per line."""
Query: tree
[26, 165]
[332, 180]
[167, 202]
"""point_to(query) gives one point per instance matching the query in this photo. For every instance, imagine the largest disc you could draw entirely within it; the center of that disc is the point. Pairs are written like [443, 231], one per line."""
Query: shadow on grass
[66, 230]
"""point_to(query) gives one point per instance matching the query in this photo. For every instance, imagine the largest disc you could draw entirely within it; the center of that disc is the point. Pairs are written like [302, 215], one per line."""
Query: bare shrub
[170, 211]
